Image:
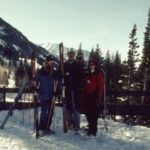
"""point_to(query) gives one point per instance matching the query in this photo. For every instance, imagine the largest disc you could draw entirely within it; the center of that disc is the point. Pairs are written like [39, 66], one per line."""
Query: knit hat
[49, 58]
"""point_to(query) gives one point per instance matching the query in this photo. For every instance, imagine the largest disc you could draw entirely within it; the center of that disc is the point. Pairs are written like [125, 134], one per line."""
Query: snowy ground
[18, 135]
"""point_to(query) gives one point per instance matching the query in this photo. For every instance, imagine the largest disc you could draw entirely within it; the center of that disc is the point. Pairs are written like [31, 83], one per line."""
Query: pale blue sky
[106, 22]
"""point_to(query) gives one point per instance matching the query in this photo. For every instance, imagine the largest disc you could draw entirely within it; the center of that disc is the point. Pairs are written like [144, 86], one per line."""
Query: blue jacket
[45, 81]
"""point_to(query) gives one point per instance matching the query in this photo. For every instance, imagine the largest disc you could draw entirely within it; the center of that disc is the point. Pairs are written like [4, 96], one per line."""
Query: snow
[2, 30]
[17, 48]
[2, 42]
[18, 134]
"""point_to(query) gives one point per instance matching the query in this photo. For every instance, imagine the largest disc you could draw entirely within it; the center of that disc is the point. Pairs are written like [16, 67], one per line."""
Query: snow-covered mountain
[14, 44]
[53, 49]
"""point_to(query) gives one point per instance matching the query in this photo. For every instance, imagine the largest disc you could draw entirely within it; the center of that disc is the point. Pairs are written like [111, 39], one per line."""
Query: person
[72, 80]
[93, 92]
[47, 78]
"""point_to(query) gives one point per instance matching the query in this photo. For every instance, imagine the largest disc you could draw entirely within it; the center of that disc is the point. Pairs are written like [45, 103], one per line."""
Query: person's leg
[93, 116]
[88, 112]
[93, 121]
[43, 116]
[69, 108]
[50, 114]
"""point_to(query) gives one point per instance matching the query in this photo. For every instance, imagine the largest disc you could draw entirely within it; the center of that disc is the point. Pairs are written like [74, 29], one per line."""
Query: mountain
[53, 49]
[13, 44]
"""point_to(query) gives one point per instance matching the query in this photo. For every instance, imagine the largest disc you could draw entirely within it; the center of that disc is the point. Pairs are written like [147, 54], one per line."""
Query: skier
[45, 79]
[72, 77]
[93, 92]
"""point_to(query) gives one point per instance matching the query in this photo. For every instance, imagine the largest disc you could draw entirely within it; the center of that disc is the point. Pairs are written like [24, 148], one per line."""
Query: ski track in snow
[19, 136]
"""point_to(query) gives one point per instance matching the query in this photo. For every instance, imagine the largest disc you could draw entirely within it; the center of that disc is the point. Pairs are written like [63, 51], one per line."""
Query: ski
[51, 107]
[35, 97]
[105, 110]
[61, 54]
[17, 98]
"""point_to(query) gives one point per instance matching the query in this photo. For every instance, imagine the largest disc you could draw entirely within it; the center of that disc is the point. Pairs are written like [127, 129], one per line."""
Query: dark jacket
[46, 83]
[73, 74]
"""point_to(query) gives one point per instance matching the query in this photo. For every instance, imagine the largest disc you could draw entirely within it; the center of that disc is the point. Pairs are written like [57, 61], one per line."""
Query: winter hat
[49, 58]
[93, 62]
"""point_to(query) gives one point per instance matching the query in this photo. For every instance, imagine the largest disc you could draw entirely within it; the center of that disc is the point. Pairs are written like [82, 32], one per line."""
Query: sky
[90, 22]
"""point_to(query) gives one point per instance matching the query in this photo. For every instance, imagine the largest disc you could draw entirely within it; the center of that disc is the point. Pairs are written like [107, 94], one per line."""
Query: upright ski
[61, 54]
[105, 110]
[36, 115]
[51, 107]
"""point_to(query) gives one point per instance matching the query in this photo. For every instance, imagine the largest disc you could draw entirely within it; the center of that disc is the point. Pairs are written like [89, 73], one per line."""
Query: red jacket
[94, 82]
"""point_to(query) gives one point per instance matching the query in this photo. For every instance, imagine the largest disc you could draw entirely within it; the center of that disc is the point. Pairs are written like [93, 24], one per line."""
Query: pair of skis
[61, 55]
[35, 97]
[52, 106]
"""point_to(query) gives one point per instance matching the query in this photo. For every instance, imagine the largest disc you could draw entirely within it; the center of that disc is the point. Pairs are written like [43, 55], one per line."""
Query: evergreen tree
[92, 54]
[124, 75]
[99, 57]
[145, 69]
[82, 65]
[80, 56]
[20, 72]
[108, 65]
[116, 72]
[132, 57]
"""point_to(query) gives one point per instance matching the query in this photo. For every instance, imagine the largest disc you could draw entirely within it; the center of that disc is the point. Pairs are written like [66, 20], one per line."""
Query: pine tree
[80, 56]
[108, 65]
[92, 54]
[146, 55]
[99, 57]
[132, 57]
[116, 72]
[19, 73]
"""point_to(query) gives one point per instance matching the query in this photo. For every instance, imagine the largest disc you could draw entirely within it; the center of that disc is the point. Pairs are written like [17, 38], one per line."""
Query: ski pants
[72, 112]
[91, 111]
[45, 112]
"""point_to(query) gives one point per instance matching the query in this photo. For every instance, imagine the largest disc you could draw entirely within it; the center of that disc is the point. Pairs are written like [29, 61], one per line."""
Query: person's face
[71, 56]
[49, 63]
[92, 66]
